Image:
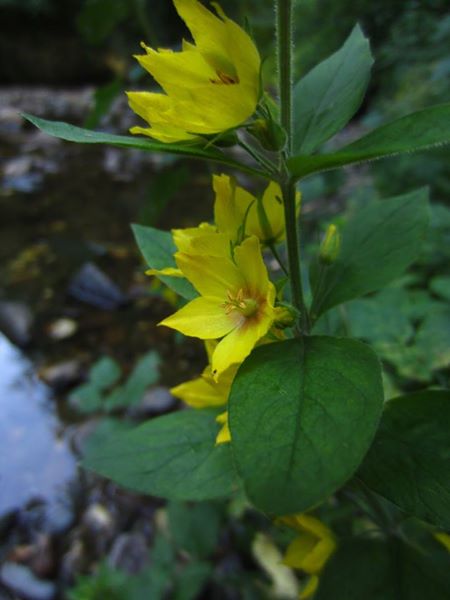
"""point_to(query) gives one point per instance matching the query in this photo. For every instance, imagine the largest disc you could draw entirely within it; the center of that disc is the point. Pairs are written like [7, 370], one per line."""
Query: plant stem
[266, 164]
[284, 56]
[293, 244]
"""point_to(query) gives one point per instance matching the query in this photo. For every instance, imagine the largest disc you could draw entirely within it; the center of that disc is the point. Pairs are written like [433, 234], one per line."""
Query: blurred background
[79, 347]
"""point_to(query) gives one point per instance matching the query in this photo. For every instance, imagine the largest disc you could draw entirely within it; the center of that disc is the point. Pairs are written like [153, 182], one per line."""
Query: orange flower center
[246, 306]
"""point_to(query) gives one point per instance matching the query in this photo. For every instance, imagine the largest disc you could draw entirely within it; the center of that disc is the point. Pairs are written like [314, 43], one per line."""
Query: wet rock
[156, 401]
[62, 375]
[22, 581]
[18, 175]
[92, 286]
[98, 520]
[16, 322]
[62, 328]
[129, 553]
[10, 120]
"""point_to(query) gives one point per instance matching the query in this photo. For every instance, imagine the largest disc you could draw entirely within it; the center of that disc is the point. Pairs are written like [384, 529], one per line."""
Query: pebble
[129, 553]
[62, 375]
[155, 401]
[92, 286]
[16, 322]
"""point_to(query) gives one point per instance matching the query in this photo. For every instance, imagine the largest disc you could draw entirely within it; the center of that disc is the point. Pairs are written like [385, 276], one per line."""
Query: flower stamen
[246, 306]
[225, 78]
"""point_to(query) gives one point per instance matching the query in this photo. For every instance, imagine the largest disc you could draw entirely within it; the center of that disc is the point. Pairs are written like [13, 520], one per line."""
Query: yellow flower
[236, 302]
[310, 550]
[235, 209]
[210, 86]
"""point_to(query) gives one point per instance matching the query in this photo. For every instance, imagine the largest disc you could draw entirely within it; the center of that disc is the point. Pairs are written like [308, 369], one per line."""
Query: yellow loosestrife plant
[292, 418]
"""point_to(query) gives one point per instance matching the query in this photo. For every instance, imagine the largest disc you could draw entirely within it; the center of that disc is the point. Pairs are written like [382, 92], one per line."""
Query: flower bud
[284, 317]
[269, 134]
[330, 246]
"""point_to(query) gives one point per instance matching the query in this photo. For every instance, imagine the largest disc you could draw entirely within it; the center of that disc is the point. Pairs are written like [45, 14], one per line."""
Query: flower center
[225, 78]
[246, 306]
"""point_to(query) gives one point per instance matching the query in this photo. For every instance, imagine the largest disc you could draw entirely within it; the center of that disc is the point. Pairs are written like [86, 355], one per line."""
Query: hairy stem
[284, 56]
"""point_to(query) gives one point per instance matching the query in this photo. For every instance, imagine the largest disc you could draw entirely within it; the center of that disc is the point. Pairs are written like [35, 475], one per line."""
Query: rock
[94, 287]
[129, 553]
[16, 322]
[155, 401]
[62, 328]
[62, 375]
[98, 520]
[20, 580]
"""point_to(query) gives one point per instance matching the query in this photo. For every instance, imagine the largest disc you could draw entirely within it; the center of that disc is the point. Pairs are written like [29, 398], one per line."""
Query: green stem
[263, 162]
[293, 245]
[284, 56]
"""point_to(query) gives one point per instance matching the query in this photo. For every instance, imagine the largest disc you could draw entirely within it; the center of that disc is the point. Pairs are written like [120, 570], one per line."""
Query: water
[36, 463]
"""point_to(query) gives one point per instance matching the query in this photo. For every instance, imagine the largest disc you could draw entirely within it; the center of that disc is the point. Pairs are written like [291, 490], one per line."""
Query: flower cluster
[310, 549]
[236, 307]
[211, 86]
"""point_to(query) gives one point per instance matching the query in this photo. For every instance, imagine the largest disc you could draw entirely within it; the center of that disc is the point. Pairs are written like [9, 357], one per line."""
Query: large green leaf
[382, 570]
[409, 461]
[302, 415]
[378, 243]
[330, 94]
[157, 248]
[173, 456]
[418, 131]
[71, 133]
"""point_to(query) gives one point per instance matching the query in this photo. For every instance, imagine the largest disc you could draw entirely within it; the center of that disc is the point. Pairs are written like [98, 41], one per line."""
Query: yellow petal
[168, 271]
[443, 538]
[200, 393]
[237, 345]
[210, 275]
[250, 263]
[298, 551]
[202, 318]
[310, 588]
[231, 204]
[165, 134]
[183, 237]
[309, 553]
[224, 435]
[188, 69]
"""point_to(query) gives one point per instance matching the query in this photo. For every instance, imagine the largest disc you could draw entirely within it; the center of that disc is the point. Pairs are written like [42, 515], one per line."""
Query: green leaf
[71, 133]
[191, 580]
[195, 528]
[382, 570]
[302, 415]
[104, 373]
[421, 130]
[409, 461]
[330, 94]
[173, 456]
[157, 248]
[144, 374]
[378, 243]
[441, 286]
